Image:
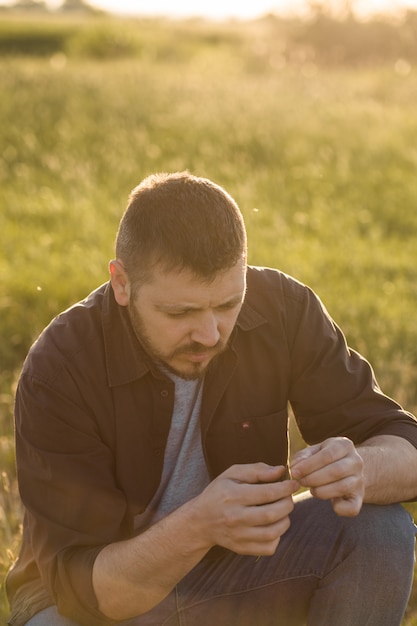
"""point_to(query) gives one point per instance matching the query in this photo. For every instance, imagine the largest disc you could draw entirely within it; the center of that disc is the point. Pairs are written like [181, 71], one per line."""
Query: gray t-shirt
[185, 473]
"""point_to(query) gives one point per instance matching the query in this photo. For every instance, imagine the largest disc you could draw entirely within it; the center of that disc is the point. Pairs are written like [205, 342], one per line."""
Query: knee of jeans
[388, 529]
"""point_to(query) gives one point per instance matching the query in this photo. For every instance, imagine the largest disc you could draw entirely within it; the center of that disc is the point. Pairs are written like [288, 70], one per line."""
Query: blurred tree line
[323, 36]
[40, 6]
[345, 39]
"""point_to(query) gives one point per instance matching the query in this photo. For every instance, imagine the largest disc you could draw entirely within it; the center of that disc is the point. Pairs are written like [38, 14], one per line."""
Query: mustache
[199, 348]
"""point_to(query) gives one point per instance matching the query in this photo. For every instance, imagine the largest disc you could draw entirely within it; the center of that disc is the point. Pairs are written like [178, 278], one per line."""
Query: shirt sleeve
[334, 391]
[67, 485]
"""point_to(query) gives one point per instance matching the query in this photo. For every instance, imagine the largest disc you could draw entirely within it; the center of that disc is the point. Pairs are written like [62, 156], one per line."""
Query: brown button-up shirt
[93, 415]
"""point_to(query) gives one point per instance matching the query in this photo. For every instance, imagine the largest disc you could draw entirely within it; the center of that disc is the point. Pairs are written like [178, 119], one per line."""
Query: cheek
[170, 333]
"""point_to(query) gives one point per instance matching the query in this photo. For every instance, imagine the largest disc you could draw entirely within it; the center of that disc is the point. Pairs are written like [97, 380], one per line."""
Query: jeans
[327, 570]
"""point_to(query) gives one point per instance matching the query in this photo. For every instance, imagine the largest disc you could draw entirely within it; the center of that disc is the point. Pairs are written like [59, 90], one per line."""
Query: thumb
[256, 473]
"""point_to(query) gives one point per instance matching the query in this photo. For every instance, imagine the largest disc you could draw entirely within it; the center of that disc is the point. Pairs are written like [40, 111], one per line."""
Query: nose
[206, 330]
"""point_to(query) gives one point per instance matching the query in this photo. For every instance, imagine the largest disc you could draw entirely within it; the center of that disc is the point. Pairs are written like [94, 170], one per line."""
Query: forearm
[131, 577]
[246, 510]
[390, 469]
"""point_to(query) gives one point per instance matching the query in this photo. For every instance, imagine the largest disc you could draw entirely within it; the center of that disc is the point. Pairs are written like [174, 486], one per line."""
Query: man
[151, 439]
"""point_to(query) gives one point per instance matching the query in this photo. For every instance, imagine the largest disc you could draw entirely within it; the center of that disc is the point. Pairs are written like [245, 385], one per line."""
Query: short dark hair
[180, 221]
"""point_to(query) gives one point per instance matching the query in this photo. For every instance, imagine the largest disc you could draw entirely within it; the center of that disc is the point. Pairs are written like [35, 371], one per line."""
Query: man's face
[182, 321]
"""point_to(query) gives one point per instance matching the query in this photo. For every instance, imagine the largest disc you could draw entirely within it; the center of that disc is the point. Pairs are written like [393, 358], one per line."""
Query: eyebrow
[167, 308]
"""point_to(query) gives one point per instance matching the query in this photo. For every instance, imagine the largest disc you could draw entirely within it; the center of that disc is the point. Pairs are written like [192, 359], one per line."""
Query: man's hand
[246, 509]
[332, 470]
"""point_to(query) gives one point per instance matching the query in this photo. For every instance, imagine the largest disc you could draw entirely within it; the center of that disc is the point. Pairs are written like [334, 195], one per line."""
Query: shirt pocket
[263, 438]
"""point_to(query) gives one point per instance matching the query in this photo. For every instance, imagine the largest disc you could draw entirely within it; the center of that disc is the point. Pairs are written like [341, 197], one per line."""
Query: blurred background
[304, 111]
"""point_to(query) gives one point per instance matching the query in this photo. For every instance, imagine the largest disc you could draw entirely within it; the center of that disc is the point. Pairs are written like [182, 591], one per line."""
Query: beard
[192, 371]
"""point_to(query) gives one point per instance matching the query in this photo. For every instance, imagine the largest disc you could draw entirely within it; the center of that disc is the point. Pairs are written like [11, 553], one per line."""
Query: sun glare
[225, 9]
[222, 9]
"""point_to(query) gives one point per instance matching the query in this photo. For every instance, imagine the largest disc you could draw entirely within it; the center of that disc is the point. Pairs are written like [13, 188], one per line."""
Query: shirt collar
[126, 360]
[249, 318]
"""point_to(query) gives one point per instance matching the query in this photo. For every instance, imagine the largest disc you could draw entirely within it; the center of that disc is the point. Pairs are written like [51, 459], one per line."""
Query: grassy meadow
[321, 157]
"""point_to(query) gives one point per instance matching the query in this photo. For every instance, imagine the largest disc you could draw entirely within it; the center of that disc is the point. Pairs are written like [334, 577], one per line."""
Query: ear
[119, 282]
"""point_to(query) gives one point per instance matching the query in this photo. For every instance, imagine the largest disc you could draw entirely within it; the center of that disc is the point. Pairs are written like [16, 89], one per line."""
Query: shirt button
[164, 393]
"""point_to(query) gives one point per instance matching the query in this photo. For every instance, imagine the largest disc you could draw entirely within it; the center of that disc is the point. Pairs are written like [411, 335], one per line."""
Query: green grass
[321, 161]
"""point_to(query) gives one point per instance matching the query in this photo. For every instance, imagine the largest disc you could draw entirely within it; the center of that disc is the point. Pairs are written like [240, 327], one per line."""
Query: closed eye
[177, 313]
[227, 306]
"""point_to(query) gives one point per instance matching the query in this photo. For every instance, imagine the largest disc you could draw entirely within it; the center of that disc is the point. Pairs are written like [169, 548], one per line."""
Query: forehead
[186, 288]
